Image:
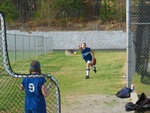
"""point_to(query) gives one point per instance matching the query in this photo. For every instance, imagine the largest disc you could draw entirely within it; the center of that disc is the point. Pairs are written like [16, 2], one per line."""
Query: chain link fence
[139, 24]
[11, 98]
[27, 46]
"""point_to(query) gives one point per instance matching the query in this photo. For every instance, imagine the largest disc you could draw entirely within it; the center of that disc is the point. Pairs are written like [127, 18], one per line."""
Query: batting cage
[138, 30]
[11, 98]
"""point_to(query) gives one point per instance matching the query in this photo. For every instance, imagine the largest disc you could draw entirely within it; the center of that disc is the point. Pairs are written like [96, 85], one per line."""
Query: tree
[9, 10]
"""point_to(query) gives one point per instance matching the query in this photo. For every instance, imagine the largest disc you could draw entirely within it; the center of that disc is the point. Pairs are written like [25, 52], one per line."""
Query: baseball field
[77, 93]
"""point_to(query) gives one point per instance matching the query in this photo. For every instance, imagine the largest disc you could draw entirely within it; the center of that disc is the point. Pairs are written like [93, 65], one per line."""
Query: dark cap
[35, 66]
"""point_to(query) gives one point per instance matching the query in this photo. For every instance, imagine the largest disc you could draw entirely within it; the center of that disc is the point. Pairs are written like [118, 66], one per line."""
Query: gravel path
[94, 104]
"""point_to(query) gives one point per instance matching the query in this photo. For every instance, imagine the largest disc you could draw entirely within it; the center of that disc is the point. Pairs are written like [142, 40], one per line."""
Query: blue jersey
[86, 55]
[34, 99]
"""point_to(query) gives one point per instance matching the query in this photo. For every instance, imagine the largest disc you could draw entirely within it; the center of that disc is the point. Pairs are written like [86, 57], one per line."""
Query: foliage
[9, 10]
[113, 10]
[69, 7]
[62, 9]
[53, 12]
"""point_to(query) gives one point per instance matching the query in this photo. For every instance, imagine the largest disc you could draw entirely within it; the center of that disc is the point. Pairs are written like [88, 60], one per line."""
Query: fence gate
[11, 98]
[139, 35]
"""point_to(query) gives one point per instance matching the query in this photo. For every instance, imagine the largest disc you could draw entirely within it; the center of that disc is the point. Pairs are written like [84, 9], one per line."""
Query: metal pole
[29, 47]
[35, 46]
[129, 47]
[15, 47]
[23, 46]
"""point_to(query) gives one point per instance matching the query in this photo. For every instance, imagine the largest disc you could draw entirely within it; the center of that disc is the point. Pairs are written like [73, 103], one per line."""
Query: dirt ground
[95, 104]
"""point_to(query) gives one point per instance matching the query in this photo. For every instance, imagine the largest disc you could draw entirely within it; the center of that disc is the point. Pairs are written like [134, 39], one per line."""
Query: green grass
[140, 87]
[15, 56]
[69, 70]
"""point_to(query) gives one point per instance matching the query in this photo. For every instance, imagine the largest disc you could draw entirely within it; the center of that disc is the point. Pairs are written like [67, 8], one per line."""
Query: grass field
[69, 70]
[139, 86]
[15, 56]
[79, 95]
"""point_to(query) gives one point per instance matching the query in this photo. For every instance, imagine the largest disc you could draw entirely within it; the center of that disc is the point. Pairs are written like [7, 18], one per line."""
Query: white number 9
[31, 87]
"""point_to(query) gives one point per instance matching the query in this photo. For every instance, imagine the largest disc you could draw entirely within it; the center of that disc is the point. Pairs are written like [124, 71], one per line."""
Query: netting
[11, 98]
[139, 23]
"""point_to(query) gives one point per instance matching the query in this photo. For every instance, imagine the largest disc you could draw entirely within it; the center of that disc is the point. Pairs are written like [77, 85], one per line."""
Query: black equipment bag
[124, 93]
[142, 104]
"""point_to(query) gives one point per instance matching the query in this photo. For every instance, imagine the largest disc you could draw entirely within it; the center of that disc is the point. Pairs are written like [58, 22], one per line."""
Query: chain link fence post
[139, 23]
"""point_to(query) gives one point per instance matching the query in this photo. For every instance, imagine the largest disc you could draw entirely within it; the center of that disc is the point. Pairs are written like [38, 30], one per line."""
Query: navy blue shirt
[34, 99]
[86, 55]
